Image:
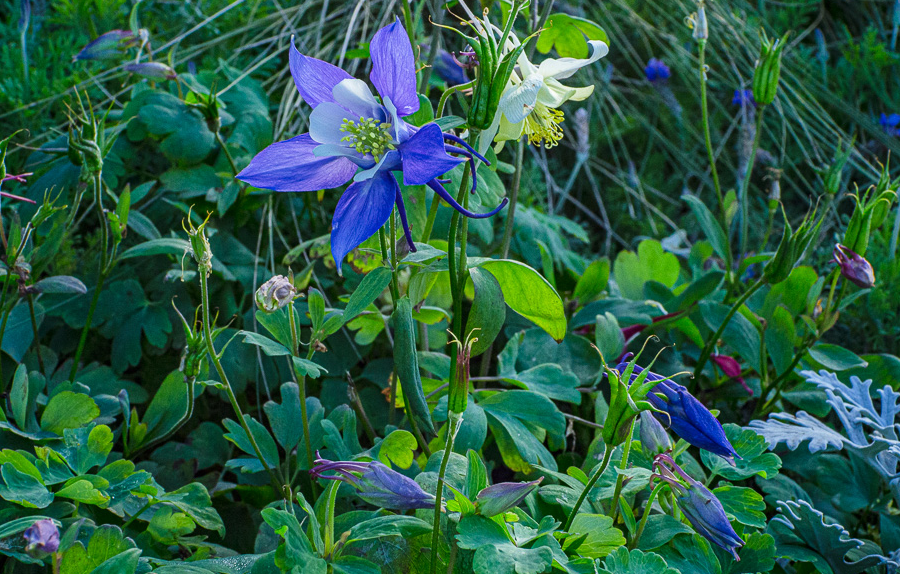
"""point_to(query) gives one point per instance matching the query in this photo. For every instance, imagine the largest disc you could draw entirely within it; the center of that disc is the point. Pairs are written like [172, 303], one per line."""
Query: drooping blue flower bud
[152, 70]
[41, 538]
[376, 484]
[701, 507]
[654, 438]
[854, 268]
[110, 45]
[689, 419]
[499, 498]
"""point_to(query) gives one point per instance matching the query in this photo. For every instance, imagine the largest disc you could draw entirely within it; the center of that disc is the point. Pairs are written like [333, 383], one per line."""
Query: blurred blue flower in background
[657, 71]
[890, 124]
[743, 98]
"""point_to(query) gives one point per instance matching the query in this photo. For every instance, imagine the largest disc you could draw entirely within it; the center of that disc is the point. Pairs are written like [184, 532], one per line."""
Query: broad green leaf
[372, 285]
[780, 336]
[757, 555]
[397, 448]
[709, 225]
[23, 489]
[86, 448]
[601, 536]
[264, 440]
[488, 311]
[631, 270]
[754, 456]
[835, 357]
[745, 504]
[124, 563]
[660, 529]
[267, 345]
[60, 284]
[193, 499]
[169, 405]
[68, 410]
[593, 281]
[550, 380]
[19, 396]
[163, 245]
[608, 337]
[739, 334]
[393, 525]
[691, 554]
[529, 294]
[286, 421]
[167, 525]
[624, 561]
[85, 491]
[569, 34]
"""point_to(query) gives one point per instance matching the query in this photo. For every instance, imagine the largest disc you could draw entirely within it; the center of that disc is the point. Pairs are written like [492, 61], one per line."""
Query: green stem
[513, 199]
[711, 343]
[408, 22]
[82, 341]
[446, 95]
[136, 514]
[454, 420]
[704, 109]
[432, 214]
[587, 487]
[646, 515]
[620, 480]
[214, 357]
[301, 385]
[395, 289]
[745, 188]
[37, 341]
[227, 153]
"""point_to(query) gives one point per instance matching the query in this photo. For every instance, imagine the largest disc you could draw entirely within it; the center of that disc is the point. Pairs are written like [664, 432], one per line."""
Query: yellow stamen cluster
[542, 125]
[368, 136]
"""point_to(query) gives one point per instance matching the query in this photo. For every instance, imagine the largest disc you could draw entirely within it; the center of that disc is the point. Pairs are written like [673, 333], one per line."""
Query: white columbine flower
[530, 103]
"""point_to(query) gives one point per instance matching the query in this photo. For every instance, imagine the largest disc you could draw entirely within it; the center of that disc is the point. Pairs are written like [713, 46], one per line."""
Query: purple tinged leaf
[504, 496]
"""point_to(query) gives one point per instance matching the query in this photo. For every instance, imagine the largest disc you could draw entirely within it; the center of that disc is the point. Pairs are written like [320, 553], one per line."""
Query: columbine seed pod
[275, 293]
[768, 70]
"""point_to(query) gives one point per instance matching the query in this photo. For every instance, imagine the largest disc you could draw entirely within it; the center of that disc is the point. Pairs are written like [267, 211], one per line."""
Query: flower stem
[217, 363]
[590, 484]
[646, 515]
[429, 222]
[711, 343]
[620, 480]
[37, 340]
[301, 384]
[745, 188]
[454, 421]
[513, 199]
[704, 109]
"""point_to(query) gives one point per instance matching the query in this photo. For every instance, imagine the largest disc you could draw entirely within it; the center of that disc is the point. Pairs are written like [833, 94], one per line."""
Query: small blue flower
[701, 507]
[449, 69]
[376, 483]
[688, 418]
[657, 71]
[890, 124]
[354, 136]
[41, 538]
[743, 98]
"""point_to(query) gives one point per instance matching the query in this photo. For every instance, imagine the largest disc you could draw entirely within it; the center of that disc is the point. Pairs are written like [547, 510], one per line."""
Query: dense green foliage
[179, 349]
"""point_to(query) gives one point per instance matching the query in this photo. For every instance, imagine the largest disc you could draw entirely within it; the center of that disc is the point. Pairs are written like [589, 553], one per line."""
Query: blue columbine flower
[743, 98]
[376, 483]
[701, 507]
[890, 124]
[354, 136]
[657, 71]
[688, 417]
[41, 538]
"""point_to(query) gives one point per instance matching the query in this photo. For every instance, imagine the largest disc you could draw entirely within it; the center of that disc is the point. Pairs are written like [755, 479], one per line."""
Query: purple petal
[394, 68]
[291, 165]
[314, 78]
[361, 211]
[424, 157]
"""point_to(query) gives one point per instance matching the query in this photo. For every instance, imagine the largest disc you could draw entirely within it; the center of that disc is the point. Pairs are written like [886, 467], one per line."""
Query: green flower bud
[701, 27]
[200, 247]
[768, 70]
[275, 293]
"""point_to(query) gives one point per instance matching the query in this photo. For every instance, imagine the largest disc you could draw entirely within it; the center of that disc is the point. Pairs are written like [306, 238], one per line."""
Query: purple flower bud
[688, 417]
[108, 46]
[854, 267]
[504, 496]
[657, 71]
[41, 538]
[743, 98]
[152, 70]
[654, 438]
[376, 483]
[449, 69]
[701, 507]
[731, 369]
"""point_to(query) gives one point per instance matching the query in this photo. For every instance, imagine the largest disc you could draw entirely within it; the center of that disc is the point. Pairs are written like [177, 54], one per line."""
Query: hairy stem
[587, 487]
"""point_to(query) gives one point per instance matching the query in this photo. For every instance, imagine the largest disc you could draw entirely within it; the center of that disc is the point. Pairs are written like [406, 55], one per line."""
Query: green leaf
[68, 410]
[23, 489]
[593, 281]
[624, 561]
[406, 364]
[660, 529]
[124, 563]
[550, 380]
[488, 311]
[709, 225]
[397, 448]
[393, 525]
[608, 336]
[169, 405]
[86, 448]
[295, 550]
[835, 357]
[514, 418]
[529, 294]
[267, 345]
[745, 504]
[19, 396]
[495, 553]
[372, 285]
[167, 525]
[286, 421]
[163, 245]
[780, 336]
[193, 499]
[593, 536]
[632, 270]
[739, 334]
[264, 440]
[754, 456]
[757, 555]
[691, 554]
[569, 34]
[354, 565]
[60, 284]
[85, 491]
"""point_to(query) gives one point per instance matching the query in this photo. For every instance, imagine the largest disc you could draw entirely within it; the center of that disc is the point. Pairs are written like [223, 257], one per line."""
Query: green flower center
[368, 136]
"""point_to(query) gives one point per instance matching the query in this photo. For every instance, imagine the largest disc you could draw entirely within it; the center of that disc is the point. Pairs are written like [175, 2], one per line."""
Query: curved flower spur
[354, 136]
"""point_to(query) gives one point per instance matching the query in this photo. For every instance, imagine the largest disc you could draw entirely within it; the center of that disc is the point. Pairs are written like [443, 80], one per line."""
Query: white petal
[565, 67]
[356, 96]
[325, 123]
[518, 102]
[555, 94]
